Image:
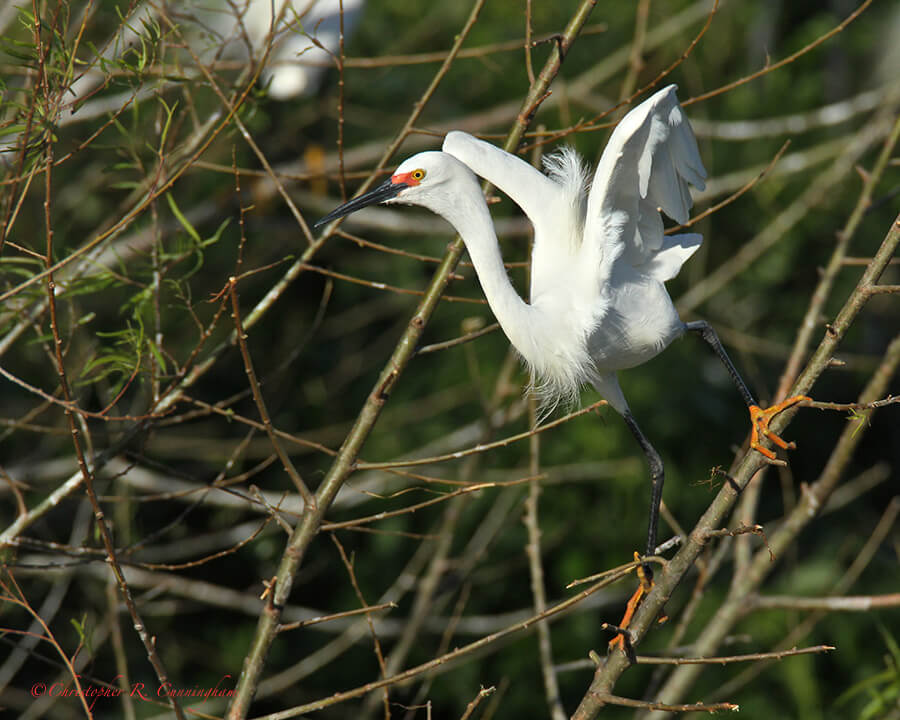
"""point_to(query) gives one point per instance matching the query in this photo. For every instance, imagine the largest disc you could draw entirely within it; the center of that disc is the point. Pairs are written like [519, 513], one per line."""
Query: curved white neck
[554, 347]
[467, 211]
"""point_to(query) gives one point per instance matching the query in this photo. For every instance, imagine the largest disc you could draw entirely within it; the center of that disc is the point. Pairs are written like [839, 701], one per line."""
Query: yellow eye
[417, 174]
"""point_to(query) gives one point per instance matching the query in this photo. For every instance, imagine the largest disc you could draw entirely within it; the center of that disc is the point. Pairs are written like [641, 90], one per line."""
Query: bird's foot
[759, 420]
[622, 640]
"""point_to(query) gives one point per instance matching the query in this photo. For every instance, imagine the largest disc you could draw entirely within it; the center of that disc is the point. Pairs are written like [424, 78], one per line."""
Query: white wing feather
[646, 167]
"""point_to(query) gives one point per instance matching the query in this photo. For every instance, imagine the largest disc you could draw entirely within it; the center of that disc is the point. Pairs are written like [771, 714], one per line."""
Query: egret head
[419, 180]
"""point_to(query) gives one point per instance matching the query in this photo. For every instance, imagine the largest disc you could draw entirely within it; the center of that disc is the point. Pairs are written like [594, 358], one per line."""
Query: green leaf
[160, 360]
[185, 223]
[79, 627]
[165, 131]
[214, 238]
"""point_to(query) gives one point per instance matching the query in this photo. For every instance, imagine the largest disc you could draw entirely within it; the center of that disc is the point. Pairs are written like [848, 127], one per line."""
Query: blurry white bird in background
[308, 31]
[303, 44]
[297, 62]
[598, 303]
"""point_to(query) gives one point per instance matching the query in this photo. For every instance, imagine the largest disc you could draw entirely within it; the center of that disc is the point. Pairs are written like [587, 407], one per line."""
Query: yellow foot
[645, 586]
[759, 420]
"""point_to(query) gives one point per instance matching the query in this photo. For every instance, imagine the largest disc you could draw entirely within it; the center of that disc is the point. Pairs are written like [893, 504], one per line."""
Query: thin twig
[849, 407]
[473, 487]
[286, 461]
[735, 195]
[379, 655]
[482, 694]
[13, 594]
[784, 61]
[853, 603]
[480, 448]
[536, 572]
[608, 699]
[285, 627]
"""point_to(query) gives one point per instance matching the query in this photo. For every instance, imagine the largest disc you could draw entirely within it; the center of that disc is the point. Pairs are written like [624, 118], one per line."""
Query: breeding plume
[600, 259]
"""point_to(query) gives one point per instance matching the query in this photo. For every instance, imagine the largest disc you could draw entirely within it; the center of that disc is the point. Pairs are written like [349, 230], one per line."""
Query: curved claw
[759, 420]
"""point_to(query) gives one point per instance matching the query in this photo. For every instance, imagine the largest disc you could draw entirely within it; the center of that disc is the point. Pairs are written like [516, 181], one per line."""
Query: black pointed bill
[387, 190]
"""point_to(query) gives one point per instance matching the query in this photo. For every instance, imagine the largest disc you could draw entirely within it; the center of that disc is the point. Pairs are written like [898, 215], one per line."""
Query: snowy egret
[599, 261]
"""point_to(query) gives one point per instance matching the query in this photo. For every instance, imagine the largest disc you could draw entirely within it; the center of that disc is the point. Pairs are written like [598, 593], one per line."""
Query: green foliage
[879, 693]
[116, 361]
[84, 634]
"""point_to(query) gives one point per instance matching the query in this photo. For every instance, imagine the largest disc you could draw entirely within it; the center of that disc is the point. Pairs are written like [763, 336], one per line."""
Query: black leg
[657, 478]
[759, 418]
[705, 330]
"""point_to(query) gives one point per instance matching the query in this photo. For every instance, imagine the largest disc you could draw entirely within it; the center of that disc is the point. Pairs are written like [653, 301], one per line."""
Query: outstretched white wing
[646, 167]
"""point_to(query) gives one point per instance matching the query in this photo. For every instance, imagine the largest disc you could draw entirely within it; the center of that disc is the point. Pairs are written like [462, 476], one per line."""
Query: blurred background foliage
[142, 307]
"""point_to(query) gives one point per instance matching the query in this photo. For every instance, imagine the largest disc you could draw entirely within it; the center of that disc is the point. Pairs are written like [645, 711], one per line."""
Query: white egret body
[599, 263]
